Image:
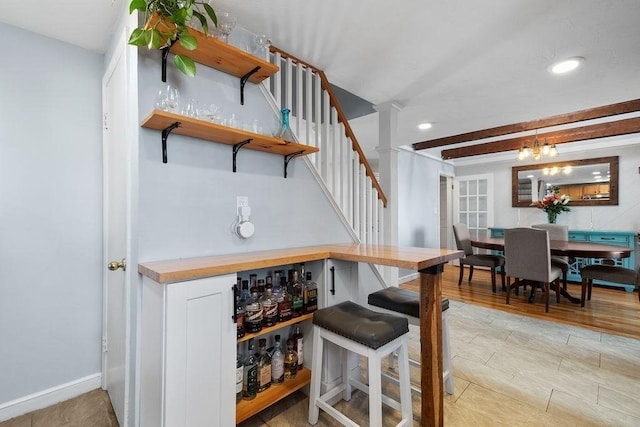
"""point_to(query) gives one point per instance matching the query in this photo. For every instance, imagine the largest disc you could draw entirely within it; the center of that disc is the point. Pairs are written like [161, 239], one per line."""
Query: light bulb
[553, 151]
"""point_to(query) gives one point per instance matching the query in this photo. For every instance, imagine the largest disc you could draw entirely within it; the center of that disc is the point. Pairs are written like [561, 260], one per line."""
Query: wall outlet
[242, 202]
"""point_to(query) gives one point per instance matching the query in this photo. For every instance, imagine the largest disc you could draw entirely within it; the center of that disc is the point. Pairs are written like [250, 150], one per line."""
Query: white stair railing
[318, 120]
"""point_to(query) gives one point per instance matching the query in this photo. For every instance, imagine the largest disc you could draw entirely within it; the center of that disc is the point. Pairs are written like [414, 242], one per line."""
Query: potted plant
[166, 23]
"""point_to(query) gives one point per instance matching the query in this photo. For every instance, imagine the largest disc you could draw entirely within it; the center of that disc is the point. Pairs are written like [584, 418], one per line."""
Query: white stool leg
[347, 366]
[375, 389]
[405, 383]
[446, 356]
[316, 376]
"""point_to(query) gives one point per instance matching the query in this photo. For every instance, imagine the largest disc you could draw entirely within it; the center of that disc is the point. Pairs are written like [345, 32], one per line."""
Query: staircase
[318, 120]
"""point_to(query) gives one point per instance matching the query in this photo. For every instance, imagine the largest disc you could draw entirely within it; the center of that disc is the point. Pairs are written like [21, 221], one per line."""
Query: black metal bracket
[236, 148]
[243, 80]
[289, 157]
[333, 281]
[165, 134]
[165, 54]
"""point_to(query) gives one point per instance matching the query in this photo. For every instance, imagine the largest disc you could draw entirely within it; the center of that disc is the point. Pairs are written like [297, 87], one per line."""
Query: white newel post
[388, 166]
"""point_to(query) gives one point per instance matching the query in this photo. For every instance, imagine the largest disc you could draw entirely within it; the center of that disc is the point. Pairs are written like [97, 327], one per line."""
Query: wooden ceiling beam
[562, 119]
[583, 133]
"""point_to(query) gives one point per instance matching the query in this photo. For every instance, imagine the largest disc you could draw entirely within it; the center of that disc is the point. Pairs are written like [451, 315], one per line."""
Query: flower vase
[552, 216]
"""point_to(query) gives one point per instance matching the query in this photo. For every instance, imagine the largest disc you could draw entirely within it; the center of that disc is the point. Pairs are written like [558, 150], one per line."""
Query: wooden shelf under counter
[277, 326]
[248, 408]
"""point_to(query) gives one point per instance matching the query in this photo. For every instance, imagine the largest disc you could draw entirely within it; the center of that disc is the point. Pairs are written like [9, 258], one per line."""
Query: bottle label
[240, 320]
[270, 310]
[311, 301]
[277, 369]
[253, 316]
[296, 304]
[265, 375]
[285, 310]
[239, 377]
[299, 348]
[250, 384]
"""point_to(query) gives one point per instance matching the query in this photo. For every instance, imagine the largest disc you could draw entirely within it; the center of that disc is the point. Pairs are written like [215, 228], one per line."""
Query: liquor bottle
[264, 366]
[253, 281]
[310, 300]
[253, 313]
[290, 361]
[295, 289]
[261, 286]
[250, 377]
[298, 344]
[239, 314]
[239, 376]
[245, 295]
[269, 307]
[284, 301]
[285, 131]
[277, 363]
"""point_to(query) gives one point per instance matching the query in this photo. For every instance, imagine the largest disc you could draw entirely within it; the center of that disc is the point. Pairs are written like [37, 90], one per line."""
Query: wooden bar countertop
[178, 270]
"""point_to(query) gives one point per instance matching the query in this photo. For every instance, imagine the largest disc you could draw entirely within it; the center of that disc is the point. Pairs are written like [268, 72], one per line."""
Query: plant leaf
[137, 37]
[185, 64]
[156, 39]
[188, 41]
[211, 13]
[203, 21]
[140, 5]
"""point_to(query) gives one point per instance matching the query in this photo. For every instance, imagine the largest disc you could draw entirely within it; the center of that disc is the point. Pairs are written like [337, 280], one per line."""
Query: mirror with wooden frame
[590, 182]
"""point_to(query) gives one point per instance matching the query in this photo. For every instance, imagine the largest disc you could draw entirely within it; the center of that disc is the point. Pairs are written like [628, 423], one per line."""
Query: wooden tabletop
[563, 248]
[194, 268]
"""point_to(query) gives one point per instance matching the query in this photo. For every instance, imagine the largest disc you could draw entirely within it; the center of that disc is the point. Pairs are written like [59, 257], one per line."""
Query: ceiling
[461, 65]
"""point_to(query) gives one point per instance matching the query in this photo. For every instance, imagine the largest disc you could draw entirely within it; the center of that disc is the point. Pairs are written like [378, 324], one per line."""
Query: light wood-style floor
[513, 366]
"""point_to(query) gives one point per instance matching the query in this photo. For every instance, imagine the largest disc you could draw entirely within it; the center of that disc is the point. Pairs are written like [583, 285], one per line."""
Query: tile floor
[509, 370]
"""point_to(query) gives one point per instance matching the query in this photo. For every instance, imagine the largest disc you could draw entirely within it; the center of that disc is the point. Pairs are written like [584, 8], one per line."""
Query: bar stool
[365, 332]
[406, 303]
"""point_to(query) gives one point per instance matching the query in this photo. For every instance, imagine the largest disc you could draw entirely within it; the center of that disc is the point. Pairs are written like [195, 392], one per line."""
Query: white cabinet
[187, 354]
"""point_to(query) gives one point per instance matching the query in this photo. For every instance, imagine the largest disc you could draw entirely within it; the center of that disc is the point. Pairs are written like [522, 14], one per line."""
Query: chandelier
[537, 152]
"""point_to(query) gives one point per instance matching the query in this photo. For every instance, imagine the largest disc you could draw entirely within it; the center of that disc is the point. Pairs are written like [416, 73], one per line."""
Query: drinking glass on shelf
[168, 99]
[262, 45]
[226, 24]
[191, 109]
[211, 113]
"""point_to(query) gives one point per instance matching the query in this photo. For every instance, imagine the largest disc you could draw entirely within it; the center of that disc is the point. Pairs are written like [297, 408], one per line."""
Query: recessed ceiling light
[529, 176]
[424, 126]
[595, 173]
[566, 65]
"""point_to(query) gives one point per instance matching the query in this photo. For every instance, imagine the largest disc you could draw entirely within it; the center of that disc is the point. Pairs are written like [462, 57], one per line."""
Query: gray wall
[624, 217]
[50, 213]
[418, 202]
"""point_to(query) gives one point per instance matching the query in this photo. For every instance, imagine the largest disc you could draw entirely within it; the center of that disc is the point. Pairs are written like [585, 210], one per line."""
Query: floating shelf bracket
[165, 54]
[236, 148]
[165, 134]
[289, 157]
[243, 80]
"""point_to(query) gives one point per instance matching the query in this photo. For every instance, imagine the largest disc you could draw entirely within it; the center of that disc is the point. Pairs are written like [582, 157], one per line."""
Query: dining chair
[609, 273]
[558, 232]
[463, 243]
[528, 258]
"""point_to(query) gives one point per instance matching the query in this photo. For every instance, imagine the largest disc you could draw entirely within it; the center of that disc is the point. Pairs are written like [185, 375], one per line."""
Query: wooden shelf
[276, 327]
[222, 56]
[175, 123]
[248, 408]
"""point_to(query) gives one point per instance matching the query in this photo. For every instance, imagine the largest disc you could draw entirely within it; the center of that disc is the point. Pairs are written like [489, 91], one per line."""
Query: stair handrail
[342, 118]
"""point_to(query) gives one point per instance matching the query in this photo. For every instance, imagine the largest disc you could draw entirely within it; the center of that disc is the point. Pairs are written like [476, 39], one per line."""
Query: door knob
[114, 265]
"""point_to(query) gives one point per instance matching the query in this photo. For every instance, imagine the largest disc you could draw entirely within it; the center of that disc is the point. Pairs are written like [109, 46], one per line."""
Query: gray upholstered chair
[528, 258]
[463, 243]
[558, 232]
[609, 273]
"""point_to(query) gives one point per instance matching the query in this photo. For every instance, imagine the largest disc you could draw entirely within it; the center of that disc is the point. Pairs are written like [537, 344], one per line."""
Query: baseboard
[408, 278]
[49, 397]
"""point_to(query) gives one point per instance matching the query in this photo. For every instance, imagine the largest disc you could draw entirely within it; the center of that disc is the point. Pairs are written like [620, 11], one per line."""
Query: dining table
[566, 248]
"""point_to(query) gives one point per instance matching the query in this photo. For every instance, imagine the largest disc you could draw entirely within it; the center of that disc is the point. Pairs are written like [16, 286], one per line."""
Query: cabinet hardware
[233, 303]
[333, 280]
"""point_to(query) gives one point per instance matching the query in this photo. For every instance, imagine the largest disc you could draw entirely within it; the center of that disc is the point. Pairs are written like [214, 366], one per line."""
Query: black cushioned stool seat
[400, 300]
[360, 324]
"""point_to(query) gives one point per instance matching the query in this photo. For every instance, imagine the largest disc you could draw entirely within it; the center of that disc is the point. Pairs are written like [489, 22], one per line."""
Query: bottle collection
[262, 303]
[257, 371]
[265, 302]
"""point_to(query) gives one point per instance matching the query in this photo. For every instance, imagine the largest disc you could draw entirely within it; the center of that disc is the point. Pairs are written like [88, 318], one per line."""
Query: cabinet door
[200, 353]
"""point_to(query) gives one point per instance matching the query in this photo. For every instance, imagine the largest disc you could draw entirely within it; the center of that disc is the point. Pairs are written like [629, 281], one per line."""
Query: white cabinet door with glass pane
[474, 203]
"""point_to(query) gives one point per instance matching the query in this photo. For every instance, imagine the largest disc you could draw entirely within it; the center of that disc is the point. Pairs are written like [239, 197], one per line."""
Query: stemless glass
[226, 24]
[262, 45]
[168, 99]
[192, 109]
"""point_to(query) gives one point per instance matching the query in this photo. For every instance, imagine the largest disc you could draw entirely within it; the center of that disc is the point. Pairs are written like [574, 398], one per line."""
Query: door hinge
[104, 344]
[105, 121]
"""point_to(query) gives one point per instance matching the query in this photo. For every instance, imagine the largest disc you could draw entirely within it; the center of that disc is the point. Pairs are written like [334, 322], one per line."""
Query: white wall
[418, 200]
[623, 217]
[50, 213]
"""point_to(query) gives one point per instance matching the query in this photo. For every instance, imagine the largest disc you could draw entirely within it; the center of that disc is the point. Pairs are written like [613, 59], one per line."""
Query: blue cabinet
[621, 238]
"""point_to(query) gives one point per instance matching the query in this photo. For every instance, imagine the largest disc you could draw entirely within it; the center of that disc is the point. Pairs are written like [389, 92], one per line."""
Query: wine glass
[168, 98]
[226, 24]
[192, 109]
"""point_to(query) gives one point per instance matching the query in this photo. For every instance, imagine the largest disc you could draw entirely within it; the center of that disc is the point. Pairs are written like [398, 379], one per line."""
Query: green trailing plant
[170, 26]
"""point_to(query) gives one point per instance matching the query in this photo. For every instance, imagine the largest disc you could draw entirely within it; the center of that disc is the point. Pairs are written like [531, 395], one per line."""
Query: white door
[116, 310]
[473, 203]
